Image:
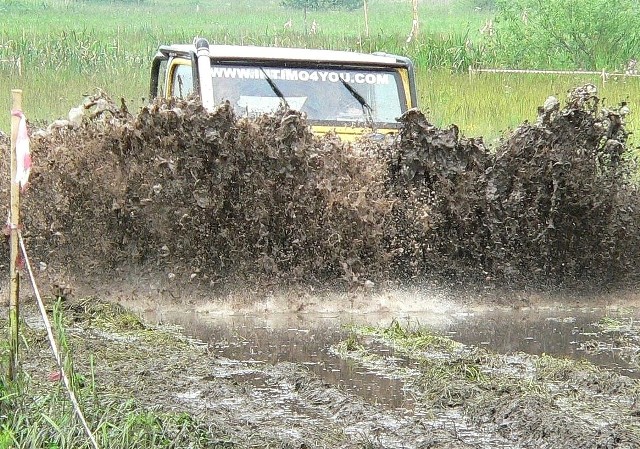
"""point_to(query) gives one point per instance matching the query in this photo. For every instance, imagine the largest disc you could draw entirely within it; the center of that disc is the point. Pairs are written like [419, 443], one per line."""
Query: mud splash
[209, 200]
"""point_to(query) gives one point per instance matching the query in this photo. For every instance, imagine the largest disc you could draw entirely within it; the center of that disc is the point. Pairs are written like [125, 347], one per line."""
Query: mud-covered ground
[461, 396]
[175, 204]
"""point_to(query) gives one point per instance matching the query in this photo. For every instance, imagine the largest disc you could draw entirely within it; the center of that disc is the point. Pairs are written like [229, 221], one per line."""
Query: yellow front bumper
[350, 133]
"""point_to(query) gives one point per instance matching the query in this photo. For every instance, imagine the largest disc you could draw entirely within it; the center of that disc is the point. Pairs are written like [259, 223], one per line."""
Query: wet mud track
[244, 403]
[404, 385]
[253, 383]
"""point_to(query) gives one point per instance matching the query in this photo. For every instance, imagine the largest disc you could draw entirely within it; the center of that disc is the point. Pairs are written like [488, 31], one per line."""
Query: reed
[492, 104]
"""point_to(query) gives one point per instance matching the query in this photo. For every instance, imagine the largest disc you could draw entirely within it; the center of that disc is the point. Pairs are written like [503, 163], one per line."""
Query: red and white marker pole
[14, 222]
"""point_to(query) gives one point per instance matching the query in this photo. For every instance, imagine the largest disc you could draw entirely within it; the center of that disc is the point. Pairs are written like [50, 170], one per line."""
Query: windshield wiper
[275, 88]
[366, 108]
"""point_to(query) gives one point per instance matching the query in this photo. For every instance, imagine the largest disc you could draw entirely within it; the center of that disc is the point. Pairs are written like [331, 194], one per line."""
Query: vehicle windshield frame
[361, 78]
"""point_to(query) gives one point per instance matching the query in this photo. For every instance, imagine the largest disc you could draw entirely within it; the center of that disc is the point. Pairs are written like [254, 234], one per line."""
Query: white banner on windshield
[300, 75]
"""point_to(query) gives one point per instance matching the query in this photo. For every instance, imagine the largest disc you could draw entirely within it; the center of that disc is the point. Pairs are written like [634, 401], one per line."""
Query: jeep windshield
[323, 94]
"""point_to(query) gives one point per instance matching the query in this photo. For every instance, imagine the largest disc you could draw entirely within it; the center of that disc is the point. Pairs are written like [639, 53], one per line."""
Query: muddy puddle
[310, 338]
[570, 333]
[301, 339]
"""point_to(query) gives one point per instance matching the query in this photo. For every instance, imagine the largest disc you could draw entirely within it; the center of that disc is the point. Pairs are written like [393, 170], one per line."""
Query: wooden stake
[415, 24]
[14, 221]
[366, 19]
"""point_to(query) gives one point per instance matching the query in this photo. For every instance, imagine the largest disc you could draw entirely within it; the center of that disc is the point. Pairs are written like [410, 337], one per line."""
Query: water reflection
[299, 339]
[562, 333]
[306, 339]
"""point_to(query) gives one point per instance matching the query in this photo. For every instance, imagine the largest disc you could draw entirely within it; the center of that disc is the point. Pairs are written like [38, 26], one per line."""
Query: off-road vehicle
[347, 92]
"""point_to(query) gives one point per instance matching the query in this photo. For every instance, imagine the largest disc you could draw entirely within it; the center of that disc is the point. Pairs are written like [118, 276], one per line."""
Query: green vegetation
[323, 4]
[491, 104]
[46, 421]
[560, 369]
[37, 413]
[578, 34]
[621, 324]
[67, 49]
[419, 339]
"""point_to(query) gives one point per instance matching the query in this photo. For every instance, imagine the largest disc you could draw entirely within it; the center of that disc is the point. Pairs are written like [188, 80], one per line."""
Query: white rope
[54, 348]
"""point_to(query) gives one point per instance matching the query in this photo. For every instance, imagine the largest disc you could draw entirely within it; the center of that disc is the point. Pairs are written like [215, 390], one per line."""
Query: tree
[587, 34]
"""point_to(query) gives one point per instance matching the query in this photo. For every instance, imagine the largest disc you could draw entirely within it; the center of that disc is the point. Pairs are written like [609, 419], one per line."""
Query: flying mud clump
[203, 198]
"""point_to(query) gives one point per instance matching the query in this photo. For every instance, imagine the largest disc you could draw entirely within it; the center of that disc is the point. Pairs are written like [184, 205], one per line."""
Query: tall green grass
[492, 104]
[47, 422]
[238, 16]
[70, 48]
[67, 51]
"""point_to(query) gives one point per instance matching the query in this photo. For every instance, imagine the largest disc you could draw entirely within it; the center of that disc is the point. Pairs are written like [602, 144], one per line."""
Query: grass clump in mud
[448, 383]
[549, 368]
[103, 314]
[449, 377]
[531, 401]
[419, 339]
[619, 334]
[611, 324]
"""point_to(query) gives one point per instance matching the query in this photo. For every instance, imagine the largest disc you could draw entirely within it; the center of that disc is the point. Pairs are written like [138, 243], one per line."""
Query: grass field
[69, 50]
[490, 104]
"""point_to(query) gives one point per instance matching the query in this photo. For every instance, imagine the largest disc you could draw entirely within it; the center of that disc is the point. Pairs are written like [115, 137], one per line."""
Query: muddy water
[303, 339]
[572, 333]
[307, 338]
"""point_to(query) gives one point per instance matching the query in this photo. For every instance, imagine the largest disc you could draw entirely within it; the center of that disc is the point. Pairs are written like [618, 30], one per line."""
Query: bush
[323, 4]
[567, 33]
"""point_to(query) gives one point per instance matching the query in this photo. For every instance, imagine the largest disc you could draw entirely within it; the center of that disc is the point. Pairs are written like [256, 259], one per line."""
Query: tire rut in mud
[242, 404]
